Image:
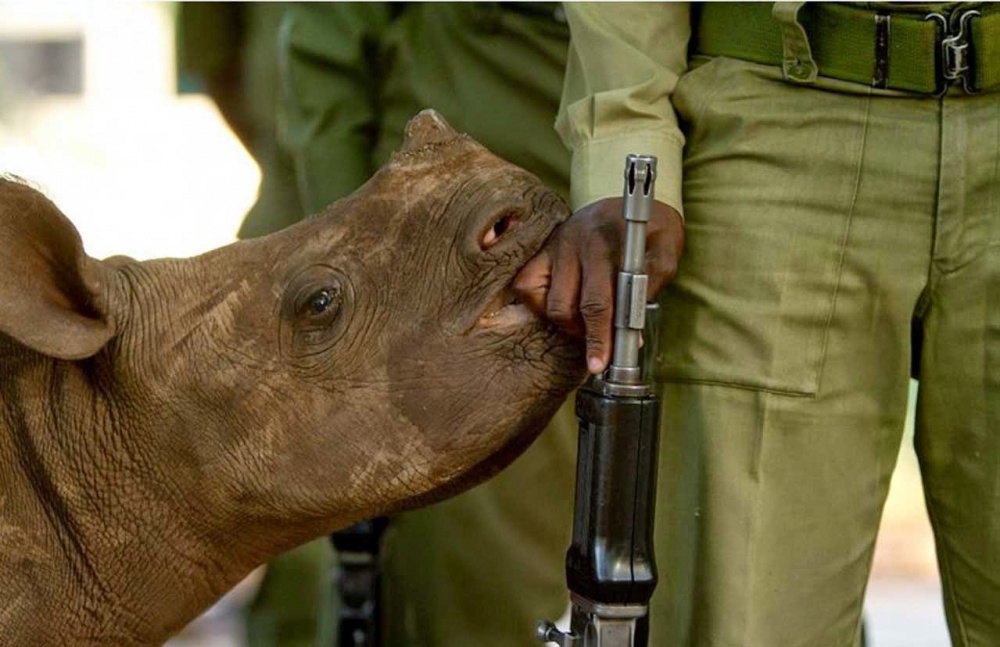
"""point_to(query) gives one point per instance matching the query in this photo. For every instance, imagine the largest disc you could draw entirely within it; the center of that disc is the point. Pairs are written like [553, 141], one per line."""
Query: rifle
[610, 568]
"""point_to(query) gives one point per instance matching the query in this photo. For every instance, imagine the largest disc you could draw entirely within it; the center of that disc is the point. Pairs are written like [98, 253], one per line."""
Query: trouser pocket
[770, 178]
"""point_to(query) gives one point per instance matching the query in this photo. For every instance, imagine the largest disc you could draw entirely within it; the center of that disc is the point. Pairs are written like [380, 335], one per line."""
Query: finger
[561, 306]
[661, 269]
[597, 305]
[532, 283]
[663, 249]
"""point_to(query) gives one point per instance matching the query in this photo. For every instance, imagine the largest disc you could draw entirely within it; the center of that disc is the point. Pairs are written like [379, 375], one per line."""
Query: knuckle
[670, 271]
[594, 343]
[559, 311]
[660, 257]
[608, 234]
[664, 267]
[600, 257]
[595, 310]
[524, 283]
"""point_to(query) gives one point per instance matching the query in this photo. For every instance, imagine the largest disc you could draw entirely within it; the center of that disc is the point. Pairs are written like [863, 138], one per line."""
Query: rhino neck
[176, 539]
[110, 532]
[94, 548]
[30, 560]
[181, 545]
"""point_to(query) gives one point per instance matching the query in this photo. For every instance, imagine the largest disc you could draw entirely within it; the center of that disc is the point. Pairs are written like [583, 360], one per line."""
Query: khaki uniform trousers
[838, 238]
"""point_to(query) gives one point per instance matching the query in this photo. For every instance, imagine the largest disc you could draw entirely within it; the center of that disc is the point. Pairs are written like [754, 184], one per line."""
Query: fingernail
[595, 365]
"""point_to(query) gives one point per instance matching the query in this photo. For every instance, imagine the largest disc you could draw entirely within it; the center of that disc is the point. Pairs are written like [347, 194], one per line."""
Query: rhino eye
[315, 314]
[323, 301]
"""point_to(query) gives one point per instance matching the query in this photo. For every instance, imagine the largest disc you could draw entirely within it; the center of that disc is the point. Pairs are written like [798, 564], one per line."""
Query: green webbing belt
[843, 38]
[986, 41]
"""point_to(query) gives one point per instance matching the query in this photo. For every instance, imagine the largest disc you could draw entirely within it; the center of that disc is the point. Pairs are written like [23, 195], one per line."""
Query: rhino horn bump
[427, 128]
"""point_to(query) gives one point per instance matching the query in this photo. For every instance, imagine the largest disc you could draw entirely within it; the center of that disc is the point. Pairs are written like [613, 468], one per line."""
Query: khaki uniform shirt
[624, 62]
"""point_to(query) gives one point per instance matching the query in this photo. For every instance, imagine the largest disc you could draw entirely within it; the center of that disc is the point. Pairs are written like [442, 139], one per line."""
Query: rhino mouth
[505, 310]
[517, 232]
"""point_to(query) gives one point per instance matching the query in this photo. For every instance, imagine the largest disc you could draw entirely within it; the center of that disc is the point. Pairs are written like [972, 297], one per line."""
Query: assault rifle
[610, 568]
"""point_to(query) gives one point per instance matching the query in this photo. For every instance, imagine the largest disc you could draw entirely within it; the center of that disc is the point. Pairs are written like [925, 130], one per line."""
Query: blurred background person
[483, 567]
[228, 51]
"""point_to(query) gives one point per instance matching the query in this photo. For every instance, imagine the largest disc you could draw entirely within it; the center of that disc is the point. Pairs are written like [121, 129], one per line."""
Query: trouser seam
[934, 269]
[859, 171]
[752, 531]
[737, 385]
[947, 579]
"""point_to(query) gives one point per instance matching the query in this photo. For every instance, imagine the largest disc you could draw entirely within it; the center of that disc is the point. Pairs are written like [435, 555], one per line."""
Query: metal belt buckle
[953, 63]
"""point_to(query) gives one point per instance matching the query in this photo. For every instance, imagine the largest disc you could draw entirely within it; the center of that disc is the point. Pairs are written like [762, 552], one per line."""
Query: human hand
[571, 281]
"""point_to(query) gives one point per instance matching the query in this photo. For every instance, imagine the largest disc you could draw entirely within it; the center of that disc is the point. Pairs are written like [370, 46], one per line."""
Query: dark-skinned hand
[571, 281]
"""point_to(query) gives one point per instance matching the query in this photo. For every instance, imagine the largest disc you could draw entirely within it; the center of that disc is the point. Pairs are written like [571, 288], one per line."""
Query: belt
[901, 50]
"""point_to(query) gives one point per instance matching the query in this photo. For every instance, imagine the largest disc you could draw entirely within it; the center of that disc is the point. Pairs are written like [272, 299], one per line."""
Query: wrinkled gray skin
[166, 426]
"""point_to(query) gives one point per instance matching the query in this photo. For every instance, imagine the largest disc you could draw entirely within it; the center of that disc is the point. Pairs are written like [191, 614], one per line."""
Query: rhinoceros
[166, 426]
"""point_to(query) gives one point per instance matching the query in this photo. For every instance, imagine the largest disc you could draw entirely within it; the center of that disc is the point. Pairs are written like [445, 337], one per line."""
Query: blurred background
[89, 110]
[92, 111]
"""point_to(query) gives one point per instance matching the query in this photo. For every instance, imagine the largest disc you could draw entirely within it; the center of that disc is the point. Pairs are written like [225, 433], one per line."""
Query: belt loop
[797, 63]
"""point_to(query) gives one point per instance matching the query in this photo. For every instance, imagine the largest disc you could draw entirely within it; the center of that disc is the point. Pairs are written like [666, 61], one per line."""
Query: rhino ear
[49, 288]
[427, 128]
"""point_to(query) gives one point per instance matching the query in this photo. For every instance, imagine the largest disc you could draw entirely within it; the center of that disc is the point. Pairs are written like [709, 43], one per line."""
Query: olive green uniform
[842, 229]
[481, 568]
[227, 50]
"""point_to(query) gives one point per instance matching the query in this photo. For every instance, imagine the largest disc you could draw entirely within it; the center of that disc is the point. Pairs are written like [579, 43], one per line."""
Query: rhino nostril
[499, 228]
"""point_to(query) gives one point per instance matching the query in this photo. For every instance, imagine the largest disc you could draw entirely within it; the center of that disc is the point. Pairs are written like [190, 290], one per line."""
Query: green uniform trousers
[481, 568]
[838, 239]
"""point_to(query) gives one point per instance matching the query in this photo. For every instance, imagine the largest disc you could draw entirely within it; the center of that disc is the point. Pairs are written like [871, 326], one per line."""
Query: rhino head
[166, 426]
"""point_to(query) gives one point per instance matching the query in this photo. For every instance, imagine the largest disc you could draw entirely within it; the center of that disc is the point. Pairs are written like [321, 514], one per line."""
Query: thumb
[531, 285]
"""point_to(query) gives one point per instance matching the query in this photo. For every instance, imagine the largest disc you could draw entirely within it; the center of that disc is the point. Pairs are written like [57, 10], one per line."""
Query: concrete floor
[902, 613]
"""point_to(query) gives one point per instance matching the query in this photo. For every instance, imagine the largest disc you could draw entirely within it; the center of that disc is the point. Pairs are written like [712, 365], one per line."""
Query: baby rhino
[166, 426]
